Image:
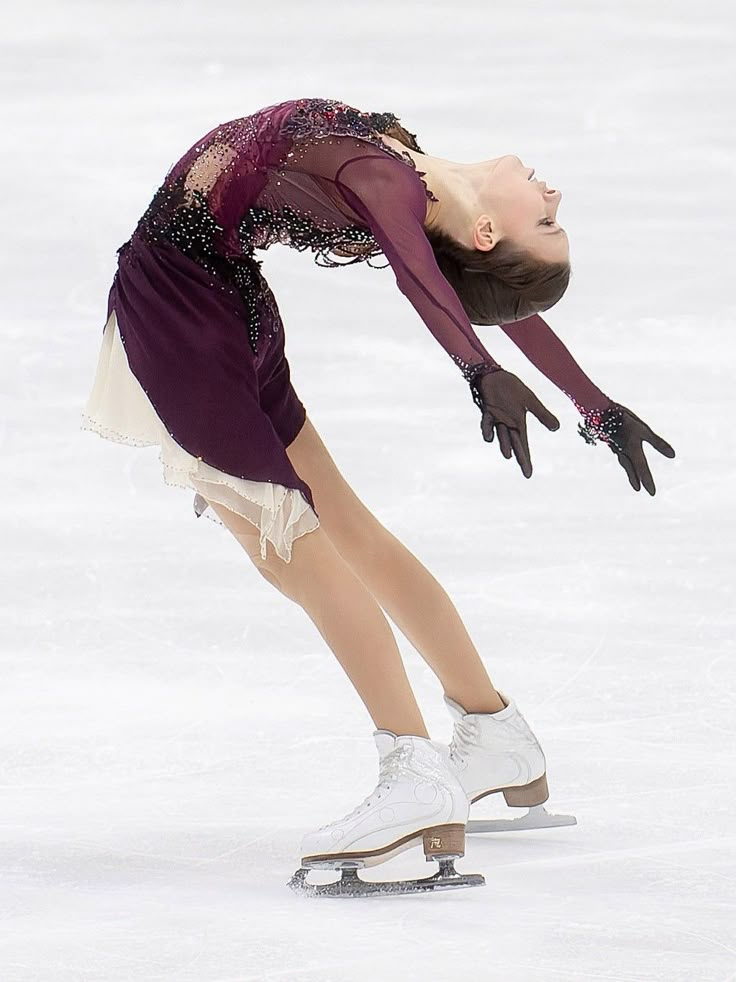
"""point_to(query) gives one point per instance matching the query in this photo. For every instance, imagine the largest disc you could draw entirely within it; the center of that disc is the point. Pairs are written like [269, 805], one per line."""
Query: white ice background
[170, 724]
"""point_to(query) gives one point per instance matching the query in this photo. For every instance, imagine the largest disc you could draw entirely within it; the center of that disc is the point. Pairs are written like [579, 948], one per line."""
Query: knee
[310, 552]
[289, 577]
[269, 574]
[272, 568]
[275, 570]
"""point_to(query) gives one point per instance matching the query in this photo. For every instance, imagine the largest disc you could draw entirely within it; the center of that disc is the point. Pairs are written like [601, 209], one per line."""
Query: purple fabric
[545, 350]
[199, 323]
[186, 344]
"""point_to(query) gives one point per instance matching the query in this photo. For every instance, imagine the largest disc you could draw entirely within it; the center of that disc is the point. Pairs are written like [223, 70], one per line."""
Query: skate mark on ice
[576, 674]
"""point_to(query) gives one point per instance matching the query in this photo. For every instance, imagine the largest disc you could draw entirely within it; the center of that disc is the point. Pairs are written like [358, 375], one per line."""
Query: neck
[456, 186]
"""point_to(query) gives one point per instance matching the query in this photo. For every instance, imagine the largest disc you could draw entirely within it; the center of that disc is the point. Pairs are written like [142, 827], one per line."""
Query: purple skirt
[176, 368]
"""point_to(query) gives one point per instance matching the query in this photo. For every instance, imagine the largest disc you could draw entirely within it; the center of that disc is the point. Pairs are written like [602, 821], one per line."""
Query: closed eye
[552, 231]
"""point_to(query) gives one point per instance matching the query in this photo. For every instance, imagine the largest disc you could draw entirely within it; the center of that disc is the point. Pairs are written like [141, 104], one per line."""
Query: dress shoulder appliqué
[182, 212]
[328, 117]
[309, 121]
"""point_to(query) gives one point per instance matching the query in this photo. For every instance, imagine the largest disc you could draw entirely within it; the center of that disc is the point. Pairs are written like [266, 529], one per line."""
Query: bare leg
[345, 614]
[407, 591]
[422, 610]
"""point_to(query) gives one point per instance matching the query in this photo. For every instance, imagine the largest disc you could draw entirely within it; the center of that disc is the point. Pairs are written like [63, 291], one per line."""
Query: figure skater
[193, 360]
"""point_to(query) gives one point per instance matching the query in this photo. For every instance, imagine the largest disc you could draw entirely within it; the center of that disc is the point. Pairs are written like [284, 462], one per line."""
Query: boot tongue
[385, 740]
[424, 746]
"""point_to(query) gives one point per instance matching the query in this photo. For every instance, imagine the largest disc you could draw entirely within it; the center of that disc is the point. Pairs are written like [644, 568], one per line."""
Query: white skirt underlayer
[118, 409]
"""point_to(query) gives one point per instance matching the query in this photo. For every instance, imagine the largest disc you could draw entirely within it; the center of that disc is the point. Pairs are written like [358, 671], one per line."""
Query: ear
[484, 235]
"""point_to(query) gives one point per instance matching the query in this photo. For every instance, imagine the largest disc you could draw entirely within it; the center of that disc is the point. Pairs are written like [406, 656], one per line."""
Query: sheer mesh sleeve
[391, 200]
[547, 353]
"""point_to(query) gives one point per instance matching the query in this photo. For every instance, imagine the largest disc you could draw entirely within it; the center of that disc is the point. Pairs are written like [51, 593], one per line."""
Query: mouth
[546, 189]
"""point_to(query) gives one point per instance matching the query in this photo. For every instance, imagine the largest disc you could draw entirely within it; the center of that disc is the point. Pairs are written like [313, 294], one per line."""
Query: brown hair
[496, 287]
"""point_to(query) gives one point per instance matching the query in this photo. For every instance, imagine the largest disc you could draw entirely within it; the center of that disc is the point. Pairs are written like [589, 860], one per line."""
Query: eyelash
[547, 221]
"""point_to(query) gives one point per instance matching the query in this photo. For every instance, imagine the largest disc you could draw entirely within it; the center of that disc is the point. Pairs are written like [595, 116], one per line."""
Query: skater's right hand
[504, 401]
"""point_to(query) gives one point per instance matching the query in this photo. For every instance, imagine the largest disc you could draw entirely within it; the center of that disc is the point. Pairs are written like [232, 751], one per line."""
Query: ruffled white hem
[118, 409]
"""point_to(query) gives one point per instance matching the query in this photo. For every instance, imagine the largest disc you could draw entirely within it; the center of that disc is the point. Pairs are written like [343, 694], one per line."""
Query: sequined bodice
[312, 174]
[316, 174]
[192, 207]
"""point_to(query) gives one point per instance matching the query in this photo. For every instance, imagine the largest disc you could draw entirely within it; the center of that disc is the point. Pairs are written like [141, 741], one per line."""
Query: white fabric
[118, 409]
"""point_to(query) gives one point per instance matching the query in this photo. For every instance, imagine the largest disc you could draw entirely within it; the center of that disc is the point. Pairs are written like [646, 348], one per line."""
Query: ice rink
[171, 725]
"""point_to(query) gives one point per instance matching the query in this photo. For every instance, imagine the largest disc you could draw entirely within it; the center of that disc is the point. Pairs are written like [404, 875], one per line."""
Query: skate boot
[495, 752]
[418, 798]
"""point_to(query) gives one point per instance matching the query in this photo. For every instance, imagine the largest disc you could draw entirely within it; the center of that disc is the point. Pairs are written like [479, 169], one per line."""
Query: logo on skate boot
[435, 842]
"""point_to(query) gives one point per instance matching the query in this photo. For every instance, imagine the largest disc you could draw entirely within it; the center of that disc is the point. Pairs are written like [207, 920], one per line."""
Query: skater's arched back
[320, 175]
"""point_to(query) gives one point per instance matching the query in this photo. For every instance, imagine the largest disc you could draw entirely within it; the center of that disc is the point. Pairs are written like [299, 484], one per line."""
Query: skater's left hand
[504, 401]
[624, 433]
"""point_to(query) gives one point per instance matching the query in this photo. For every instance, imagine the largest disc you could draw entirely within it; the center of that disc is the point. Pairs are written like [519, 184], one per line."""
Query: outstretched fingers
[521, 449]
[543, 414]
[639, 461]
[486, 427]
[504, 440]
[630, 472]
[658, 443]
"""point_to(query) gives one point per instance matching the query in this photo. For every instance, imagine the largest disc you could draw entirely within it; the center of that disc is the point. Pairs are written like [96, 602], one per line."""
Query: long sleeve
[391, 200]
[547, 353]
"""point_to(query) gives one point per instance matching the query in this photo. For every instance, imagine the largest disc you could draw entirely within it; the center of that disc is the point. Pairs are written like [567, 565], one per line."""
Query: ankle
[416, 731]
[492, 703]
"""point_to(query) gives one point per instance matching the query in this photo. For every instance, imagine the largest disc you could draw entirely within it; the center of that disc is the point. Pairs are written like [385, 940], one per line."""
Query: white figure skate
[418, 798]
[495, 752]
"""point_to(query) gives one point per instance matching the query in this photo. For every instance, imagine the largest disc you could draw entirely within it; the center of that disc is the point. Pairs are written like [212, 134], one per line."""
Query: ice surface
[170, 725]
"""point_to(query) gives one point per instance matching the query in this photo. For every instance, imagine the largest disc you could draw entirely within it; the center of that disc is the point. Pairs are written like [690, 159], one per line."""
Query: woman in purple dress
[193, 361]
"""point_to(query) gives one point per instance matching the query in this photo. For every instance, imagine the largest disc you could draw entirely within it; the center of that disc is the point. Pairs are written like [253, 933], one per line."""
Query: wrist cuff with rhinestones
[600, 424]
[472, 375]
[603, 425]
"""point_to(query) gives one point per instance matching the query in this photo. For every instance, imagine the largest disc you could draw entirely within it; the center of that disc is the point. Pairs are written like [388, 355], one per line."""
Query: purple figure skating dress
[193, 358]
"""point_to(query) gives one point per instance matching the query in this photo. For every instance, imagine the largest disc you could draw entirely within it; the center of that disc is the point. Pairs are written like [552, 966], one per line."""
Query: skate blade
[536, 818]
[351, 885]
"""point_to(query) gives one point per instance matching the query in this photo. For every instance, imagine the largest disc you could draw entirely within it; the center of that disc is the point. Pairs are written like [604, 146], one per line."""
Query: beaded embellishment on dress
[315, 119]
[600, 424]
[182, 211]
[184, 219]
[262, 227]
[472, 374]
[329, 117]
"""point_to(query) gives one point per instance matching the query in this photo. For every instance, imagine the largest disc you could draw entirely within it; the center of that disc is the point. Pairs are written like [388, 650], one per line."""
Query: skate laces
[463, 740]
[393, 762]
[389, 770]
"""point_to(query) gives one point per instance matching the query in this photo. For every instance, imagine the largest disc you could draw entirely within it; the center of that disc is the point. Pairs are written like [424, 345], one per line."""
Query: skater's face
[520, 208]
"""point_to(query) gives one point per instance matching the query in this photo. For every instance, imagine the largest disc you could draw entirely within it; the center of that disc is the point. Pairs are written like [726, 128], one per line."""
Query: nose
[551, 192]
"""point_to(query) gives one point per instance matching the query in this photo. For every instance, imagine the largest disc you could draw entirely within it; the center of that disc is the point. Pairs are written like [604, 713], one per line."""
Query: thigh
[345, 518]
[314, 557]
[244, 531]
